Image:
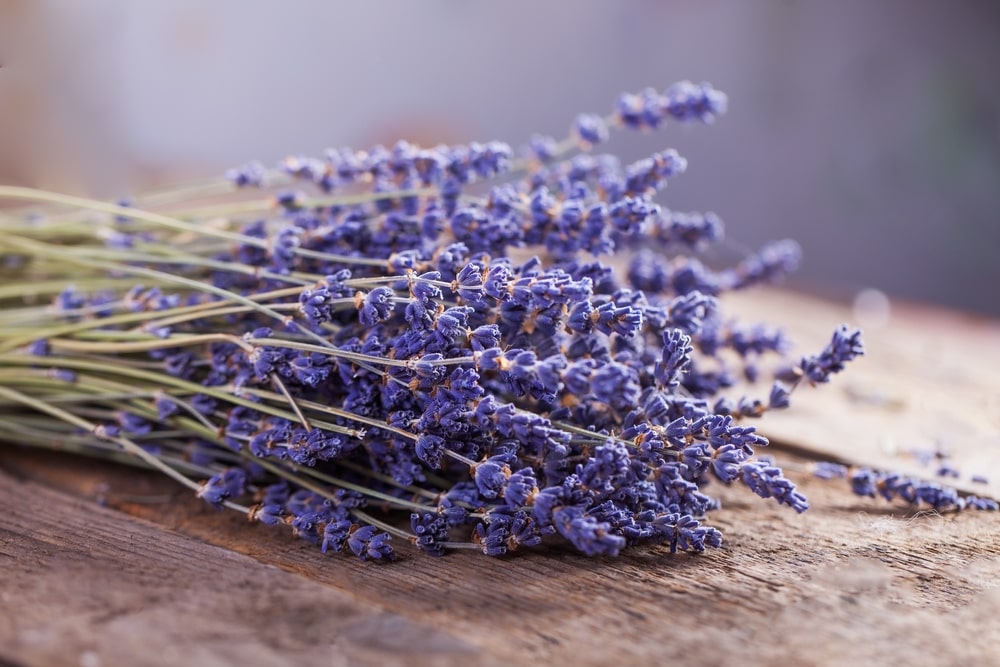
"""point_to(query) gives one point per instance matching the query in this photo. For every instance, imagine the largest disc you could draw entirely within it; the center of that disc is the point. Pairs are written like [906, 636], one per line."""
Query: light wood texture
[851, 581]
[930, 380]
[86, 585]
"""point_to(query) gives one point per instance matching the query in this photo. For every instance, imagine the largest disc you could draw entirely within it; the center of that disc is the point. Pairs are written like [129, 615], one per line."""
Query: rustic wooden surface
[160, 578]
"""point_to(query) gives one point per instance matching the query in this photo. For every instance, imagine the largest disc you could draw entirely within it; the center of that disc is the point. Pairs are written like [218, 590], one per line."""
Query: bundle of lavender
[378, 332]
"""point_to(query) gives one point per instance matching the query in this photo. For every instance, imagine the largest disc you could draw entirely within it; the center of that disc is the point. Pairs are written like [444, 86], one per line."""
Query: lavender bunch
[506, 348]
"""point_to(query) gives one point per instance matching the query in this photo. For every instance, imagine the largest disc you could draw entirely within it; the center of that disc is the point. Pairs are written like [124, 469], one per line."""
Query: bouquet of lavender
[429, 331]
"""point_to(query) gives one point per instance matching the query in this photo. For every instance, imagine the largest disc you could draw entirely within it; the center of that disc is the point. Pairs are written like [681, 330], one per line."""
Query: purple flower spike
[230, 483]
[586, 533]
[431, 530]
[376, 306]
[843, 347]
[590, 129]
[368, 544]
[767, 481]
[675, 358]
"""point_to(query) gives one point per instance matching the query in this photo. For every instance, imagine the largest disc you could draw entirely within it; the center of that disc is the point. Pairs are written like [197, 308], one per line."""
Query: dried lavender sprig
[869, 482]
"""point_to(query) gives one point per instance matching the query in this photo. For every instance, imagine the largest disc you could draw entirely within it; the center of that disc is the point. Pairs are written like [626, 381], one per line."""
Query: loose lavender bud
[843, 347]
[828, 470]
[431, 531]
[590, 536]
[590, 129]
[686, 101]
[230, 483]
[376, 306]
[249, 175]
[491, 477]
[335, 535]
[368, 544]
[779, 397]
[542, 147]
[947, 470]
[684, 532]
[982, 504]
[767, 481]
[890, 485]
[675, 358]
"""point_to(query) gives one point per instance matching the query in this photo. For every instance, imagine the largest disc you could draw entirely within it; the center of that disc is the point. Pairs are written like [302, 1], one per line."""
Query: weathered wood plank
[85, 585]
[851, 581]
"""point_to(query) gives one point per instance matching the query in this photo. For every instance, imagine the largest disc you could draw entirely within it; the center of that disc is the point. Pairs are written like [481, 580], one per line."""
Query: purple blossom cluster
[892, 486]
[540, 358]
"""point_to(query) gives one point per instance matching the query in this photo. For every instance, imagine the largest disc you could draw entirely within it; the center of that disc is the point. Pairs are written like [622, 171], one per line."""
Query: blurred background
[870, 132]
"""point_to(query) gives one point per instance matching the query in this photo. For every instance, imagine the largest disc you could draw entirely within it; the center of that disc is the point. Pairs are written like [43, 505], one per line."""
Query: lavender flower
[231, 483]
[843, 347]
[892, 486]
[686, 533]
[590, 129]
[431, 532]
[590, 536]
[767, 481]
[368, 544]
[249, 175]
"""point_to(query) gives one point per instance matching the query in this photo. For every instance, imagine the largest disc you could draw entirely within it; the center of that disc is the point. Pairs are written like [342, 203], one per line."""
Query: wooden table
[158, 577]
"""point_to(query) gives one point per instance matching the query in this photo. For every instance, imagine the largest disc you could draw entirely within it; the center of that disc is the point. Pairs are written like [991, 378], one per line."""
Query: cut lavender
[446, 346]
[892, 486]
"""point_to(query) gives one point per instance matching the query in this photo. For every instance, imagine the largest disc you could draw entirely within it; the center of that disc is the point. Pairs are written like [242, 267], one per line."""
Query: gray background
[870, 132]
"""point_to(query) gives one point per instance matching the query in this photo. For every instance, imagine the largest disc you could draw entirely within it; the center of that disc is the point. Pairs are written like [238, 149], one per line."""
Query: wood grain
[852, 581]
[82, 584]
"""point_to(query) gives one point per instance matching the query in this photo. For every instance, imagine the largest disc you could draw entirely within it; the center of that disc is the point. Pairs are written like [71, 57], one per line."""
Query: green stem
[160, 380]
[153, 343]
[83, 446]
[45, 249]
[284, 473]
[329, 409]
[31, 194]
[354, 356]
[382, 525]
[128, 445]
